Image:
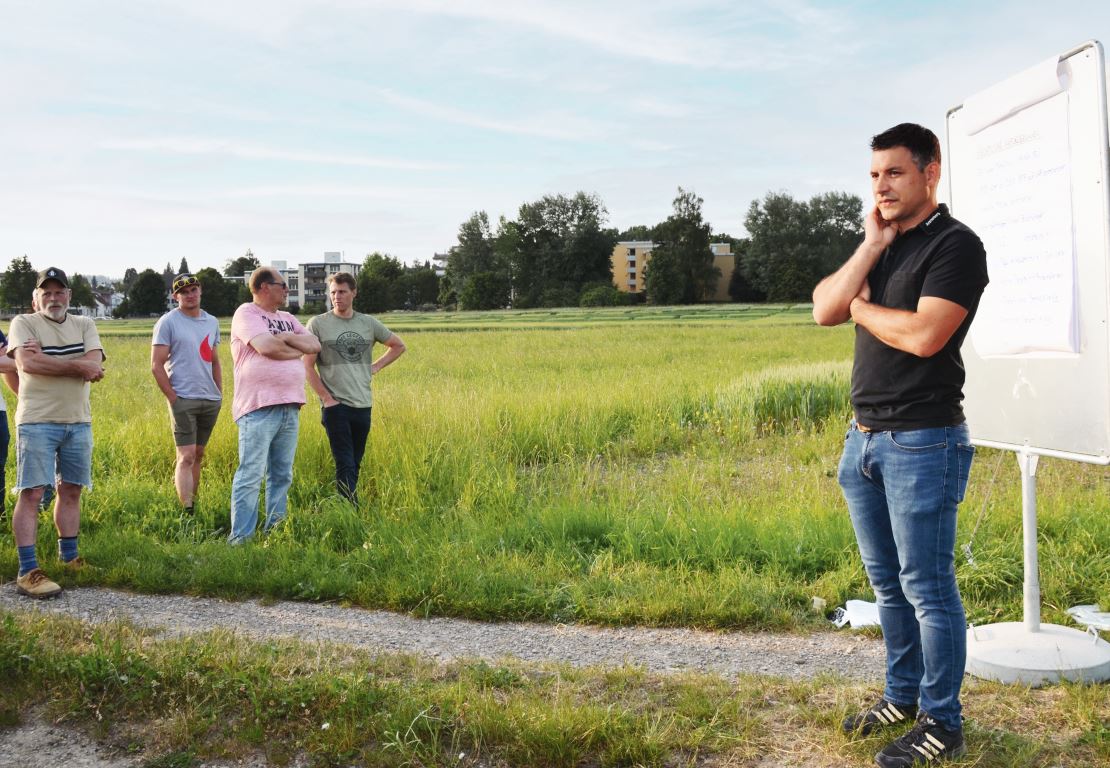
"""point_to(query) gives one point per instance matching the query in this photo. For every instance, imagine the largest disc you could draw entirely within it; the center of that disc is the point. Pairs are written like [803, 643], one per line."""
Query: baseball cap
[52, 273]
[183, 281]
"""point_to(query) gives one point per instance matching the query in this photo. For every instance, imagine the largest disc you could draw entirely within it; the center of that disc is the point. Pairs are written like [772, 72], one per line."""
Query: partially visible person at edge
[10, 374]
[58, 356]
[186, 367]
[266, 349]
[912, 289]
[346, 369]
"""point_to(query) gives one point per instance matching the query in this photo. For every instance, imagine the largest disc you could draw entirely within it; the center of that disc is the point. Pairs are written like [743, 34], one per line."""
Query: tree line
[18, 283]
[557, 252]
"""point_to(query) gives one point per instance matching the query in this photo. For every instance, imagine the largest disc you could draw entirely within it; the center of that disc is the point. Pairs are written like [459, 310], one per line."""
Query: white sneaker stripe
[928, 750]
[893, 713]
[936, 742]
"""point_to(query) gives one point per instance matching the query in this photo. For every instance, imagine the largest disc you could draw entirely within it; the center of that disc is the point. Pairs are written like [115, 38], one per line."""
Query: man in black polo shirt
[912, 288]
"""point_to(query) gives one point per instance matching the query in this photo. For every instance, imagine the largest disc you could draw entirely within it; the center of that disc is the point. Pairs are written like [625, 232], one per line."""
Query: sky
[136, 133]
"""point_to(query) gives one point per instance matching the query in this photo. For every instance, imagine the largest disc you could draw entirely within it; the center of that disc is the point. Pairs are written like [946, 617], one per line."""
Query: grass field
[649, 465]
[628, 466]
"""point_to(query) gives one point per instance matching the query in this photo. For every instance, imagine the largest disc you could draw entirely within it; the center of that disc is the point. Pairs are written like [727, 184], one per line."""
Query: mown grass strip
[218, 696]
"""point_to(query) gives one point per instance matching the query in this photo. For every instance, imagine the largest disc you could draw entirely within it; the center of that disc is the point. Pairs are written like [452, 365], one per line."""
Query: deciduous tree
[82, 292]
[147, 296]
[474, 251]
[557, 245]
[19, 284]
[130, 275]
[219, 297]
[686, 273]
[484, 290]
[793, 244]
[417, 286]
[243, 265]
[377, 283]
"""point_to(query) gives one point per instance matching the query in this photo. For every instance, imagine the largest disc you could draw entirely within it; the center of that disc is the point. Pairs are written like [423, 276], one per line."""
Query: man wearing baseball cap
[186, 368]
[58, 355]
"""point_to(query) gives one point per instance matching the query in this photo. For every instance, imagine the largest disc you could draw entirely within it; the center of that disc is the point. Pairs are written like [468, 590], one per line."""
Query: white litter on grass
[1090, 616]
[857, 613]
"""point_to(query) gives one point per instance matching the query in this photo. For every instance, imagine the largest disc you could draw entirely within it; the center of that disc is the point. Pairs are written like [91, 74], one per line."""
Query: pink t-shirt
[259, 380]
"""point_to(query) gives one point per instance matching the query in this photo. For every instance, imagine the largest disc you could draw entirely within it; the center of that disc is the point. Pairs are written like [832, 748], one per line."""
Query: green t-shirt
[346, 354]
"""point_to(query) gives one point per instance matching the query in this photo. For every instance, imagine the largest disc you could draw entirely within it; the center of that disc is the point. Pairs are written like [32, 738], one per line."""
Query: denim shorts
[47, 452]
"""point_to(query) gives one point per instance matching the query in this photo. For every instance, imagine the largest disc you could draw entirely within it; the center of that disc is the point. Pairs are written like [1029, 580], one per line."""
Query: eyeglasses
[184, 281]
[278, 283]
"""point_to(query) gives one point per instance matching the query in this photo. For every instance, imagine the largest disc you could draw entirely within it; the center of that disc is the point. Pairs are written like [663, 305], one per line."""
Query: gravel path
[39, 743]
[657, 650]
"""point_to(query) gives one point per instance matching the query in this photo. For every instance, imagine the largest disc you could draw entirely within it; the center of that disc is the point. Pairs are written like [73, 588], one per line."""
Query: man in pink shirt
[266, 349]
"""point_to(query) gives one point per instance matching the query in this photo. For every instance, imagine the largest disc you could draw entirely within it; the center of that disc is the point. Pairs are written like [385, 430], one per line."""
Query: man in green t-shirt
[341, 372]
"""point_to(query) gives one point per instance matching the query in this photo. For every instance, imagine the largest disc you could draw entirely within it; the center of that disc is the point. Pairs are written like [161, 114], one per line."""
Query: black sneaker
[926, 742]
[881, 714]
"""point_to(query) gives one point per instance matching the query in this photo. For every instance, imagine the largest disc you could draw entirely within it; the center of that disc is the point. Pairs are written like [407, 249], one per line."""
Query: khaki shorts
[193, 420]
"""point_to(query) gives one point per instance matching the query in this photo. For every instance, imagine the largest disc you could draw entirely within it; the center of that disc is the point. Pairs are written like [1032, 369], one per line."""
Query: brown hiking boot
[76, 564]
[36, 584]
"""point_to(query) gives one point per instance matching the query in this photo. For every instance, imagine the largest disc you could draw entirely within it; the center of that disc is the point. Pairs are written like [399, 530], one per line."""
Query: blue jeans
[902, 490]
[347, 430]
[267, 444]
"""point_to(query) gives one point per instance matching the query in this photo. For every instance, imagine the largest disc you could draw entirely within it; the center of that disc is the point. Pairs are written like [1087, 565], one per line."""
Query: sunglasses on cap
[181, 282]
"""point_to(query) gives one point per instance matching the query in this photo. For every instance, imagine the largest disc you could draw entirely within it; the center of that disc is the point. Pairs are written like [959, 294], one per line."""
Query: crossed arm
[845, 295]
[285, 346]
[922, 332]
[88, 367]
[8, 369]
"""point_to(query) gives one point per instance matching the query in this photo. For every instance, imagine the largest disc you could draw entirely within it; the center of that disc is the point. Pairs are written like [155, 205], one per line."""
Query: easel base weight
[1010, 653]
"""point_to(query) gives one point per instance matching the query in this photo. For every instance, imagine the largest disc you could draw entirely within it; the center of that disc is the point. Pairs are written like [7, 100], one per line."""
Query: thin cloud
[555, 125]
[184, 145]
[653, 34]
[352, 191]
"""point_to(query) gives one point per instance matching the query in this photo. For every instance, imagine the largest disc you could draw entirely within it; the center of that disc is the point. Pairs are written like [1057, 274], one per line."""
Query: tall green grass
[678, 470]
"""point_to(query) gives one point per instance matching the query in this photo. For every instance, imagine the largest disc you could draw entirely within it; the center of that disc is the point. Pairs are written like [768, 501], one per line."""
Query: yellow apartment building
[631, 256]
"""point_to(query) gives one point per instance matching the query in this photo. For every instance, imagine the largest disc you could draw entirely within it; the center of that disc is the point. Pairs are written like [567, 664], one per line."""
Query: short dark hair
[922, 143]
[343, 277]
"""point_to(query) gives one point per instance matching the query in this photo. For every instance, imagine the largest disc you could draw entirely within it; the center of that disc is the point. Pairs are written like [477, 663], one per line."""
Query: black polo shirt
[895, 390]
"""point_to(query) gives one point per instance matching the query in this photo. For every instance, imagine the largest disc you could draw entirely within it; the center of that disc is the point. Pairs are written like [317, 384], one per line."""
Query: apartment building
[631, 256]
[312, 277]
[308, 281]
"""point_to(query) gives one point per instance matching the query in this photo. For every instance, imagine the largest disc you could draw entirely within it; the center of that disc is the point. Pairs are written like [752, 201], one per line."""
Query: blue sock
[27, 560]
[67, 548]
